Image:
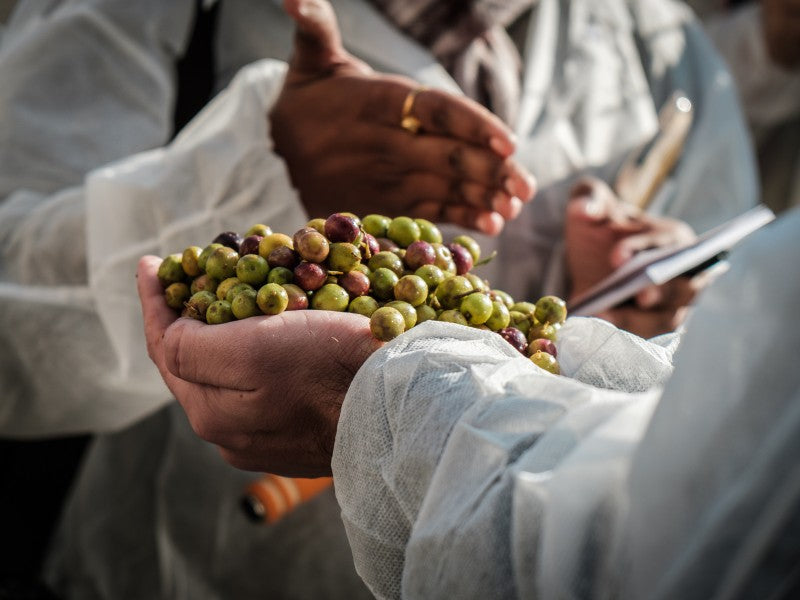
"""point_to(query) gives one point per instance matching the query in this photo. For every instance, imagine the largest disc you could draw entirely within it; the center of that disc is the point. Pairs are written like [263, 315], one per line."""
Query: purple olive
[514, 337]
[231, 239]
[282, 256]
[341, 228]
[372, 244]
[419, 253]
[461, 257]
[298, 300]
[355, 282]
[386, 244]
[310, 276]
[249, 244]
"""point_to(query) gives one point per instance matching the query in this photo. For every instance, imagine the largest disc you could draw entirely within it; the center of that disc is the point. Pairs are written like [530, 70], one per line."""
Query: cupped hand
[337, 126]
[602, 233]
[266, 390]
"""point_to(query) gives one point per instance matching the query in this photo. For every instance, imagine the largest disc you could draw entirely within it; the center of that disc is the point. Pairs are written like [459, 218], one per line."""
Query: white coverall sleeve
[220, 174]
[432, 436]
[465, 472]
[72, 352]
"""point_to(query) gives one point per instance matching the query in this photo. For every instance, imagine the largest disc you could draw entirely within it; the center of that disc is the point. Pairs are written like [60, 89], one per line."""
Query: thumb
[590, 201]
[317, 42]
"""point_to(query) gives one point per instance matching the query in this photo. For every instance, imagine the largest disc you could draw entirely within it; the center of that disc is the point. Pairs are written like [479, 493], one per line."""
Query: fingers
[218, 355]
[246, 355]
[490, 223]
[678, 292]
[659, 233]
[659, 309]
[159, 319]
[485, 221]
[417, 188]
[155, 312]
[455, 159]
[439, 113]
[646, 323]
[592, 200]
[444, 114]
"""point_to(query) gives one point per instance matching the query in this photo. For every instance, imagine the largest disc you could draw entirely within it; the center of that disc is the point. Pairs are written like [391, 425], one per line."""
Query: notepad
[659, 265]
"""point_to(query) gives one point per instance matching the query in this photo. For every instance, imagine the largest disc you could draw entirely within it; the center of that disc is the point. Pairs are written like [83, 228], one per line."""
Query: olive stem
[486, 260]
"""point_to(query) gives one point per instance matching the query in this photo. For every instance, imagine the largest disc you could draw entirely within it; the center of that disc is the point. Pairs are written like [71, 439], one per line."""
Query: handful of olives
[395, 271]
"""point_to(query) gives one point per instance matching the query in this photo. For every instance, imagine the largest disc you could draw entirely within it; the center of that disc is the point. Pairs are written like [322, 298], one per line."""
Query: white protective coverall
[73, 223]
[463, 471]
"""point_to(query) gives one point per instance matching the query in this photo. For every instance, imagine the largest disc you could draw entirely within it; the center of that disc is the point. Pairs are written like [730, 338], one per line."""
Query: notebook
[659, 265]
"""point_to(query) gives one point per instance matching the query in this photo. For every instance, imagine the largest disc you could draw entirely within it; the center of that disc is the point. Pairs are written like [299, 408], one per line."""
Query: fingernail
[648, 297]
[593, 206]
[499, 145]
[531, 181]
[306, 8]
[484, 222]
[507, 207]
[515, 207]
[499, 202]
[510, 186]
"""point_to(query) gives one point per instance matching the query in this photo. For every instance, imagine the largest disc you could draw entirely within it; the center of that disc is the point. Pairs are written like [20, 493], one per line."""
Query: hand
[337, 126]
[602, 233]
[266, 390]
[781, 21]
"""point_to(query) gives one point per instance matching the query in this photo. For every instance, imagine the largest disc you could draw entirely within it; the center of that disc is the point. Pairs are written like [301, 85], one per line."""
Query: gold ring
[408, 121]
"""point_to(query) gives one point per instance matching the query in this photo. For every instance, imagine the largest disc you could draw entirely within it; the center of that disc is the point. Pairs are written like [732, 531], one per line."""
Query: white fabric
[464, 471]
[468, 402]
[156, 514]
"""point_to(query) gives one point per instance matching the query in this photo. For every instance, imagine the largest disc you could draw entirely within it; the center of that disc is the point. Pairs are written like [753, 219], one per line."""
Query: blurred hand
[602, 233]
[781, 21]
[337, 126]
[266, 390]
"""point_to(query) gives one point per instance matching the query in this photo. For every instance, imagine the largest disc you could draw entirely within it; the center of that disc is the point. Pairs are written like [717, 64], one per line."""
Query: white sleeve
[219, 174]
[435, 436]
[714, 488]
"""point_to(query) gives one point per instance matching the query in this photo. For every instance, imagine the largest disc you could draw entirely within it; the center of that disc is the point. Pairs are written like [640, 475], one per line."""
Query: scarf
[468, 37]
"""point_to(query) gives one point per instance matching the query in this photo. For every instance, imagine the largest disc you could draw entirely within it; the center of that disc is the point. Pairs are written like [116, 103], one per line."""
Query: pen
[646, 168]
